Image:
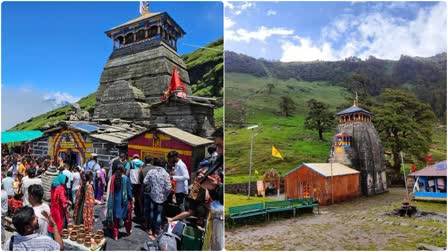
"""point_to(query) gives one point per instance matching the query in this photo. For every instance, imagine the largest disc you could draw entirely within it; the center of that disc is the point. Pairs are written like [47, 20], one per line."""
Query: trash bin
[192, 238]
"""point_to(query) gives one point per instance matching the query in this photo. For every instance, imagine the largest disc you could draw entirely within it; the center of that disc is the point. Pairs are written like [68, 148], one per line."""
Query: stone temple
[358, 145]
[139, 67]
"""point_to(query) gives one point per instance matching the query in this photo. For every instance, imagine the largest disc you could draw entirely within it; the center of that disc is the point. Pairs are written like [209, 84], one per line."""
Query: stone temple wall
[40, 147]
[366, 156]
[189, 116]
[129, 84]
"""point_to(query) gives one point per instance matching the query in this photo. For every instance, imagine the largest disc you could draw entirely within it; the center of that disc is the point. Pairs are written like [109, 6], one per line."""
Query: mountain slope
[425, 77]
[205, 68]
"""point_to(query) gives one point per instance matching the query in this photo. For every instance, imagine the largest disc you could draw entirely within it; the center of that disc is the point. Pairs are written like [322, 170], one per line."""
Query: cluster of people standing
[145, 187]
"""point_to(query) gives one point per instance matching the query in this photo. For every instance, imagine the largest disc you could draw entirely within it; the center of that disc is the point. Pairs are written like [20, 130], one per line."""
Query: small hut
[159, 139]
[316, 180]
[271, 182]
[430, 182]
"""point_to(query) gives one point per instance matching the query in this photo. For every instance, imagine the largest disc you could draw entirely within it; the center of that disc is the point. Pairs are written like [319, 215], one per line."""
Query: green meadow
[249, 102]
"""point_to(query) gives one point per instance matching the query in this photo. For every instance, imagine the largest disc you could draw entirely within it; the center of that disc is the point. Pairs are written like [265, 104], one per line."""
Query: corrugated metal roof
[435, 170]
[325, 169]
[20, 136]
[185, 136]
[353, 109]
[115, 133]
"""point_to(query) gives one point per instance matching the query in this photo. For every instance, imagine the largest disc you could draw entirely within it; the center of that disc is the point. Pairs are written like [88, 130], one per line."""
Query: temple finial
[144, 7]
[355, 101]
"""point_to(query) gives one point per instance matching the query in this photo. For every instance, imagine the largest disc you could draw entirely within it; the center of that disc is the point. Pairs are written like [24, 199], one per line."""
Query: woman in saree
[59, 203]
[100, 184]
[83, 212]
[120, 202]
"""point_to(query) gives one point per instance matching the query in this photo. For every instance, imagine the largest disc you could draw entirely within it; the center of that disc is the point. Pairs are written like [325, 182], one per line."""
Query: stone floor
[125, 243]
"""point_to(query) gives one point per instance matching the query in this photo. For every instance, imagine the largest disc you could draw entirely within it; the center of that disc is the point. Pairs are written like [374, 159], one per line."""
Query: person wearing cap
[133, 169]
[181, 176]
[92, 166]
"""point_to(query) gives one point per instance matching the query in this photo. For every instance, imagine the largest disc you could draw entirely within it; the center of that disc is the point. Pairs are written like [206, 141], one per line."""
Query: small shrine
[192, 114]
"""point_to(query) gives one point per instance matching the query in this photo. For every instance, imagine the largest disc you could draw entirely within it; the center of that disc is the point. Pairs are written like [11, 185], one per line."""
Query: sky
[57, 50]
[307, 31]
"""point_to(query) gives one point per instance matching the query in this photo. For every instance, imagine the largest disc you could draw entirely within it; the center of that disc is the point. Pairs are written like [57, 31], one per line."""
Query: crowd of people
[156, 191]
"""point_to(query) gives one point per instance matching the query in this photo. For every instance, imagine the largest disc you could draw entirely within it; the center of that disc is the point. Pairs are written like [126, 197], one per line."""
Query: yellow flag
[256, 172]
[276, 153]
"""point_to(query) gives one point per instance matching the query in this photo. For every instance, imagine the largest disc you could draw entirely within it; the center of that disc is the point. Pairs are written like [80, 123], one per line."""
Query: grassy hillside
[86, 103]
[248, 102]
[205, 68]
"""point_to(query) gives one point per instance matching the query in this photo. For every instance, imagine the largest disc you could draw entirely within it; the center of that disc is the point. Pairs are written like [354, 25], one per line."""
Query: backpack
[167, 242]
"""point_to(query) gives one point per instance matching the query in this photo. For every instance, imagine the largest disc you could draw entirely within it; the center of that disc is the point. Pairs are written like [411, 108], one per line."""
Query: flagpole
[250, 158]
[404, 174]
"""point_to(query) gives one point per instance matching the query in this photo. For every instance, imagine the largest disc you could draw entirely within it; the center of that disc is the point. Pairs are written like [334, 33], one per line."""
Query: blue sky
[58, 49]
[306, 31]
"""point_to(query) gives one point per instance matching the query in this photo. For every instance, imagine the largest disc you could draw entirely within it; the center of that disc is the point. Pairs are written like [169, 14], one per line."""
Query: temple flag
[276, 153]
[413, 168]
[176, 82]
[428, 158]
[256, 172]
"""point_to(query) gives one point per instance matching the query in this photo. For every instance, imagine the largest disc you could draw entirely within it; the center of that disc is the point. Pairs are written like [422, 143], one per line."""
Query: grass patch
[239, 200]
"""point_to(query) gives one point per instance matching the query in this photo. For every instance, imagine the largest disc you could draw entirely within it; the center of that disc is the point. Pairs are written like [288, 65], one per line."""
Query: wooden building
[158, 141]
[316, 179]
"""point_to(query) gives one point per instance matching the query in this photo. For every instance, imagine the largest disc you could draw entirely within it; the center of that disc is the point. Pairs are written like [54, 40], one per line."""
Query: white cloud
[236, 8]
[262, 33]
[271, 13]
[228, 23]
[21, 103]
[302, 49]
[374, 33]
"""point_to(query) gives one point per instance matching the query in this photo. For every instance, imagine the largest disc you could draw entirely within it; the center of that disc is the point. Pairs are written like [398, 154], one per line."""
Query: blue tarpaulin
[20, 136]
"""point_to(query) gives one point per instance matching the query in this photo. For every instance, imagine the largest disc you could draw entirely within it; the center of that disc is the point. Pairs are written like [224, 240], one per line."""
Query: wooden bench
[279, 206]
[238, 212]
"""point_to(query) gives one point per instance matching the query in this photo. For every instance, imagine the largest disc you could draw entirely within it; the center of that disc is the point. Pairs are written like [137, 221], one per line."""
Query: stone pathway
[354, 225]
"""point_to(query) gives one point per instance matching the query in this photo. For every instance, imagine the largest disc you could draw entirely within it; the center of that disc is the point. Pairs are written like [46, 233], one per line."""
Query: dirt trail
[356, 225]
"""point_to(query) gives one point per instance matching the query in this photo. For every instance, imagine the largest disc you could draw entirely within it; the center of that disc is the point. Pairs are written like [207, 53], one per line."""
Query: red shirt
[58, 207]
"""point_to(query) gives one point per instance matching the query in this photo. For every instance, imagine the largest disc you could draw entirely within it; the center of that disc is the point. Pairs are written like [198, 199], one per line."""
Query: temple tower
[358, 145]
[135, 75]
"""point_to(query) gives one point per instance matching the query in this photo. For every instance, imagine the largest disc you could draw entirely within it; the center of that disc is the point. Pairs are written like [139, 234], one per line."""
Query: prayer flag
[276, 153]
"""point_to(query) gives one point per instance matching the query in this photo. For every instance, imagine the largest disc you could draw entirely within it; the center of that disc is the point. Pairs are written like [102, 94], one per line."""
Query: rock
[405, 224]
[423, 246]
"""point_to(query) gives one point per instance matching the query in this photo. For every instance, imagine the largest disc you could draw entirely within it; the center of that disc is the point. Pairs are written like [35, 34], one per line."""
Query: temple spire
[144, 7]
[355, 101]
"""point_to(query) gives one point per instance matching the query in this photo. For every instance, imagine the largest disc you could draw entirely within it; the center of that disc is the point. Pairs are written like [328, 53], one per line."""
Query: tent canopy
[20, 136]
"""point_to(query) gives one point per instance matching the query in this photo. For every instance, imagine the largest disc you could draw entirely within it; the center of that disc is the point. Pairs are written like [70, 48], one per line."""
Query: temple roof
[353, 109]
[143, 17]
[435, 170]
